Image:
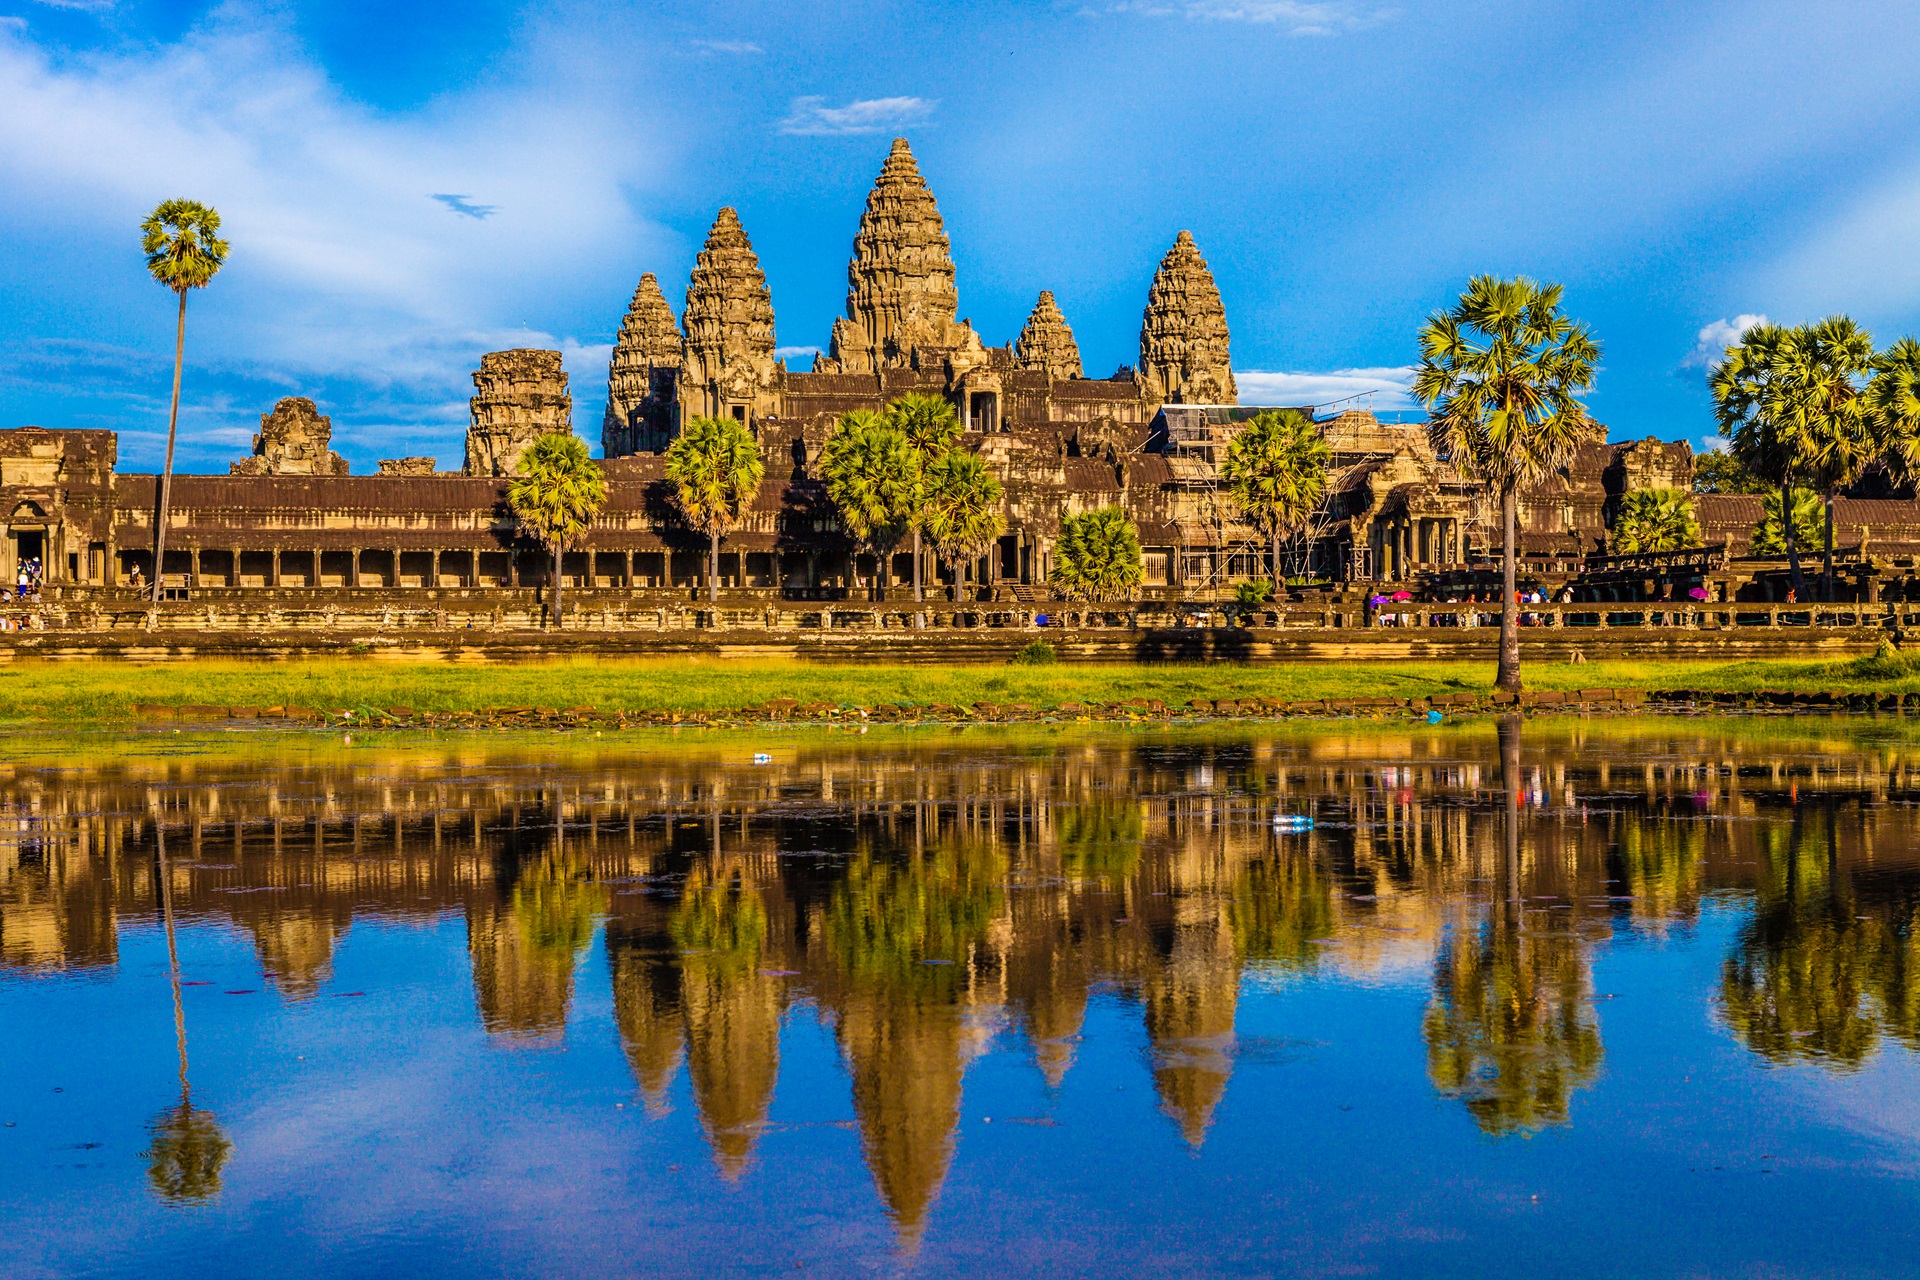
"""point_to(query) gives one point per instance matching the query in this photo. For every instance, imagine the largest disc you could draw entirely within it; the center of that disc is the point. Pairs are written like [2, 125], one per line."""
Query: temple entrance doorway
[983, 412]
[26, 547]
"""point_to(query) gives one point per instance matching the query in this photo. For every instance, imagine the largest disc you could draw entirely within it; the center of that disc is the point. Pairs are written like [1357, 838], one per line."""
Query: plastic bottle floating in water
[1292, 822]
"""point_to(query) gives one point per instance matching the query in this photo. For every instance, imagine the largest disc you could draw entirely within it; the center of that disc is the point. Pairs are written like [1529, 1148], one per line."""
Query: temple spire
[727, 368]
[900, 283]
[649, 341]
[1047, 343]
[1183, 336]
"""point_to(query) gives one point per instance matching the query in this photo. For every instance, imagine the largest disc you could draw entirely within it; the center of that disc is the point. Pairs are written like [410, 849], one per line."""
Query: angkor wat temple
[1147, 438]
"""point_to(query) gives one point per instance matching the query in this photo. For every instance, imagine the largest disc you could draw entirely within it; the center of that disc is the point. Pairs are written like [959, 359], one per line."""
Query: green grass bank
[90, 693]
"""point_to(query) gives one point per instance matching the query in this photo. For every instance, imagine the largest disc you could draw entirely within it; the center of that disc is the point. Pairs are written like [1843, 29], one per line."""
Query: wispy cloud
[812, 117]
[1716, 337]
[344, 282]
[466, 208]
[1295, 17]
[726, 48]
[789, 353]
[1340, 388]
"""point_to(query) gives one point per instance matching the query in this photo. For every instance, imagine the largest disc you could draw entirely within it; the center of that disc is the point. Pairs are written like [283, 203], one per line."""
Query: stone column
[433, 572]
[353, 567]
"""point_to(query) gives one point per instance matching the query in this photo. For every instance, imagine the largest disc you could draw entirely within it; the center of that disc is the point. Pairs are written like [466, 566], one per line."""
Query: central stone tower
[900, 285]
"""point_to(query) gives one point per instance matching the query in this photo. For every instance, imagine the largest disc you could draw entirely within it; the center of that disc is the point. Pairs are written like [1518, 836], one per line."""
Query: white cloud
[791, 353]
[812, 117]
[1297, 17]
[1357, 388]
[730, 48]
[1715, 338]
[345, 274]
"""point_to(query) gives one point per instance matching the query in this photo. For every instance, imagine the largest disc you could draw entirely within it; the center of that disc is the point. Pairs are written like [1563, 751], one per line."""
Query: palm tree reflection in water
[1511, 1030]
[1828, 963]
[186, 1151]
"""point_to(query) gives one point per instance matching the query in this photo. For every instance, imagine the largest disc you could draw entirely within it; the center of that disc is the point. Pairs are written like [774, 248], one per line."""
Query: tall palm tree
[181, 239]
[715, 468]
[960, 509]
[559, 491]
[931, 427]
[1276, 470]
[873, 477]
[1501, 373]
[1893, 401]
[1747, 405]
[1824, 377]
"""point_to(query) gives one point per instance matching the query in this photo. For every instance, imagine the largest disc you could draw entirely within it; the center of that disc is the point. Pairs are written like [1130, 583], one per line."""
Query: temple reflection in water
[924, 894]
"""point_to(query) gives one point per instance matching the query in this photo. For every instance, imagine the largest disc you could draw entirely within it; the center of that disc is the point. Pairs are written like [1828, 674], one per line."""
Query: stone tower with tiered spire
[1183, 336]
[900, 284]
[1047, 343]
[727, 367]
[646, 362]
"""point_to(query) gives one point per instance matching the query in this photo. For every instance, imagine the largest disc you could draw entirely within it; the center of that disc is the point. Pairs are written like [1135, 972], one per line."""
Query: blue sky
[1344, 165]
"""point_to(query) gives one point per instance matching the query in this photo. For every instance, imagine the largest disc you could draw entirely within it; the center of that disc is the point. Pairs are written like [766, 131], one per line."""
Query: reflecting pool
[1582, 997]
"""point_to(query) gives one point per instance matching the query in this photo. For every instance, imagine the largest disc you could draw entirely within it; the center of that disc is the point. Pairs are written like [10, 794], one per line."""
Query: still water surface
[1629, 998]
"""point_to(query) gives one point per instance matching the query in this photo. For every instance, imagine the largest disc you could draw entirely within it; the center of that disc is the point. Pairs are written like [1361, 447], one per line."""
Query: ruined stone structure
[293, 441]
[1183, 335]
[727, 367]
[1046, 345]
[518, 397]
[642, 375]
[1149, 439]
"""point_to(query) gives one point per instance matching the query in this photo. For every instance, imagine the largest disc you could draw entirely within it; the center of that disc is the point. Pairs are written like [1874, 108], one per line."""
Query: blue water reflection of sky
[386, 1133]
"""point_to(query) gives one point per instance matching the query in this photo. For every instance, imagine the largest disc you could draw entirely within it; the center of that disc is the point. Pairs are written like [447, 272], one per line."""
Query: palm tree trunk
[553, 596]
[1508, 677]
[917, 598]
[166, 474]
[1276, 562]
[1787, 528]
[1826, 585]
[713, 567]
